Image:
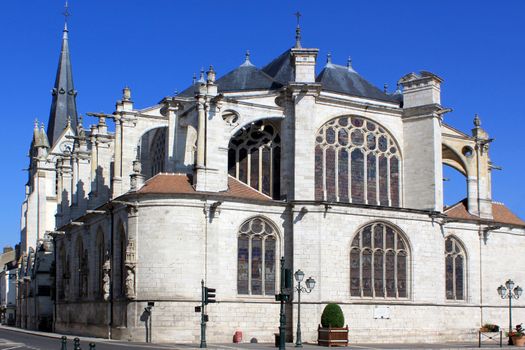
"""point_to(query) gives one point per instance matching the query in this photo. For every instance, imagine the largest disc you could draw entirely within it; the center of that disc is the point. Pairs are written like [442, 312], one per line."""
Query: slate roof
[181, 184]
[247, 77]
[279, 72]
[281, 68]
[346, 80]
[63, 103]
[500, 213]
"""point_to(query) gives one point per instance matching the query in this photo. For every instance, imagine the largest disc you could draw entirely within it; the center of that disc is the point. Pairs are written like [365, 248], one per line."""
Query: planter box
[332, 336]
[518, 341]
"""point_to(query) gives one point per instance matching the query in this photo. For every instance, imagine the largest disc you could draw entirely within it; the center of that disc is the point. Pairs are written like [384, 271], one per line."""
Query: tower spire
[63, 103]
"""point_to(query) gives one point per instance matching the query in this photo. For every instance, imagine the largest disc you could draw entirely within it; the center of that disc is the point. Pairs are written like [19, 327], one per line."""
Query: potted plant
[489, 327]
[331, 331]
[517, 336]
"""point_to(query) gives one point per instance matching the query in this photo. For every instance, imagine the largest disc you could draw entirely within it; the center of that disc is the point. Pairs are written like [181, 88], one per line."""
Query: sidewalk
[265, 346]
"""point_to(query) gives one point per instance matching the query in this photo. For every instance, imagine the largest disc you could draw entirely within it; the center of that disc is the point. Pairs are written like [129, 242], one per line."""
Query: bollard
[76, 344]
[64, 343]
[91, 346]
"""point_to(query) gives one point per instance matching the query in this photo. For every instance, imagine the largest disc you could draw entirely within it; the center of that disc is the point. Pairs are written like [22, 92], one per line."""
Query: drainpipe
[481, 233]
[111, 271]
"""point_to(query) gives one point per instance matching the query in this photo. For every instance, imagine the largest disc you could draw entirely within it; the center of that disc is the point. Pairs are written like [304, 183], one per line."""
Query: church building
[295, 158]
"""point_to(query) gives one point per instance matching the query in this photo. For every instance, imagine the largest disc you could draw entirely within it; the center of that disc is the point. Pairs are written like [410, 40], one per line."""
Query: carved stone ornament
[106, 279]
[130, 281]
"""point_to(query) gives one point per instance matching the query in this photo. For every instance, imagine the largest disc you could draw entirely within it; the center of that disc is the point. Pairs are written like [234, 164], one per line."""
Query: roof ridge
[456, 204]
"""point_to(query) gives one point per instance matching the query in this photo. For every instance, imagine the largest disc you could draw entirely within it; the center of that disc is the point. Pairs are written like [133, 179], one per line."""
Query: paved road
[12, 339]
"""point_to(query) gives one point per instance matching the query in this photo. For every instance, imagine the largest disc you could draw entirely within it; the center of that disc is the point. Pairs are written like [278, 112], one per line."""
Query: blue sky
[155, 46]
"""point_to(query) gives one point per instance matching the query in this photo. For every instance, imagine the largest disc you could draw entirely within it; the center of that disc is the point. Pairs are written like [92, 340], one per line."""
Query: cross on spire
[66, 12]
[298, 30]
[298, 15]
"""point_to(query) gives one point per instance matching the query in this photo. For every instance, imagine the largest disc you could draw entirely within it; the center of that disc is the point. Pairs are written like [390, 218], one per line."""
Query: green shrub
[332, 316]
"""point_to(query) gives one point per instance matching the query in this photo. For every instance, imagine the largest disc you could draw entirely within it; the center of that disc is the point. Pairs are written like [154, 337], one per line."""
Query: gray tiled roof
[247, 77]
[63, 104]
[281, 68]
[346, 80]
[280, 72]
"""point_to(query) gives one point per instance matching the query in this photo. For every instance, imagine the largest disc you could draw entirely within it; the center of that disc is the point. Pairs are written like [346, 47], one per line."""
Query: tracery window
[454, 269]
[158, 151]
[357, 161]
[379, 262]
[256, 257]
[254, 157]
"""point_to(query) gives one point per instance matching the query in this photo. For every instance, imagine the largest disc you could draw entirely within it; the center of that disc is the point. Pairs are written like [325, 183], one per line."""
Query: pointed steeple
[63, 104]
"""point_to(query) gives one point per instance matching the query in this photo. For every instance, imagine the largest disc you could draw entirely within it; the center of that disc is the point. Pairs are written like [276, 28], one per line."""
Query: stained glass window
[454, 269]
[256, 258]
[254, 156]
[379, 262]
[356, 161]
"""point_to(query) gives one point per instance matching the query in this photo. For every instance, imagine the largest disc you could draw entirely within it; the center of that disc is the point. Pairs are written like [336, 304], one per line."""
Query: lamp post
[510, 291]
[310, 284]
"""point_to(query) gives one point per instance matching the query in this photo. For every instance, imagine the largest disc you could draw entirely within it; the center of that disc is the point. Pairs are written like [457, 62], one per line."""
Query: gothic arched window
[454, 269]
[158, 151]
[256, 257]
[379, 262]
[357, 161]
[254, 157]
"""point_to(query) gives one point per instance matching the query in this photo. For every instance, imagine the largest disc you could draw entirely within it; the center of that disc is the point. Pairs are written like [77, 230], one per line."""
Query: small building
[8, 286]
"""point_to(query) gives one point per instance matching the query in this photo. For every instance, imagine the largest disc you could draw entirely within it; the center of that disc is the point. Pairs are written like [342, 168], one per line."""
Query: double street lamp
[310, 284]
[510, 291]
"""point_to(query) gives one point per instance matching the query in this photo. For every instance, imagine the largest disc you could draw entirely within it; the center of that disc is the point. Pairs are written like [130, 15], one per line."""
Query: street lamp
[310, 284]
[509, 291]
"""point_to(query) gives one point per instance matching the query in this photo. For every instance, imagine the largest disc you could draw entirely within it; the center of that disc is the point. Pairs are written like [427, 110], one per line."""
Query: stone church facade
[218, 182]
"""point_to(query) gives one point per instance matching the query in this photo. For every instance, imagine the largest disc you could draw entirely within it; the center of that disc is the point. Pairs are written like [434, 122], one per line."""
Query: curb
[54, 335]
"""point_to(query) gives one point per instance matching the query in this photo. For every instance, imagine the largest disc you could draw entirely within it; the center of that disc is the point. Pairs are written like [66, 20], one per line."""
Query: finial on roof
[247, 61]
[66, 14]
[329, 60]
[398, 89]
[80, 120]
[477, 121]
[36, 123]
[68, 124]
[42, 126]
[385, 88]
[194, 78]
[298, 31]
[201, 78]
[44, 142]
[210, 75]
[126, 93]
[349, 62]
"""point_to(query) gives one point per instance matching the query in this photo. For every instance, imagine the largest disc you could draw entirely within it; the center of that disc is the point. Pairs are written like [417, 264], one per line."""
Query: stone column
[201, 133]
[116, 186]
